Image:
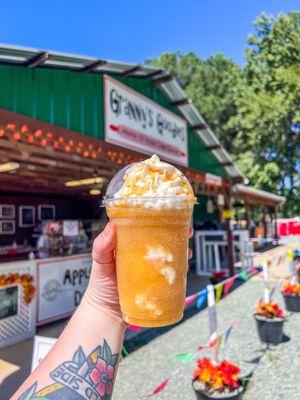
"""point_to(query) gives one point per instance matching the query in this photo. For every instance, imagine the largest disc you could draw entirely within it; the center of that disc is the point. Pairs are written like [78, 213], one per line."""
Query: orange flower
[291, 288]
[26, 280]
[222, 376]
[269, 310]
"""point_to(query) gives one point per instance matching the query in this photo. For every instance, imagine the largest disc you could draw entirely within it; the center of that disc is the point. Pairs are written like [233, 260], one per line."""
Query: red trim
[137, 94]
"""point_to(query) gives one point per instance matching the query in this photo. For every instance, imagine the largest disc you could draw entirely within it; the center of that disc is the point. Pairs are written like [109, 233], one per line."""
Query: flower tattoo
[102, 376]
[85, 377]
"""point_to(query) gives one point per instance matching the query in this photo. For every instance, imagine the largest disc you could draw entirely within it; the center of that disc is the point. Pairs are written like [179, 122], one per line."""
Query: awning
[34, 58]
[48, 156]
[256, 196]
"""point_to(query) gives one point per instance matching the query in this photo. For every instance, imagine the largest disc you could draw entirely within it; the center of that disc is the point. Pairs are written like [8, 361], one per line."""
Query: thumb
[104, 245]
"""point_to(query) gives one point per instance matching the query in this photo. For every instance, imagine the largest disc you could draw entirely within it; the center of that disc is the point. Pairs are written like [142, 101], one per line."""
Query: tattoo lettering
[84, 378]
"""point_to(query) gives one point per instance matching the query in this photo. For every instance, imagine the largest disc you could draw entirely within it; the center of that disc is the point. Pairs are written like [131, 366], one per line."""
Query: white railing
[211, 251]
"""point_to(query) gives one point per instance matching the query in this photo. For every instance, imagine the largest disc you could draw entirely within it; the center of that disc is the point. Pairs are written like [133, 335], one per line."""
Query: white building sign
[135, 122]
[62, 283]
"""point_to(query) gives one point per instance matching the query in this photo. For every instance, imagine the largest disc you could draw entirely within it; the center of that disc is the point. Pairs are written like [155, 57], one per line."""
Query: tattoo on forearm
[84, 378]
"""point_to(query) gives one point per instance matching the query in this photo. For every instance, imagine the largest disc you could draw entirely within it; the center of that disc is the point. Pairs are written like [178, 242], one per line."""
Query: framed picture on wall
[9, 300]
[46, 212]
[7, 211]
[26, 216]
[7, 227]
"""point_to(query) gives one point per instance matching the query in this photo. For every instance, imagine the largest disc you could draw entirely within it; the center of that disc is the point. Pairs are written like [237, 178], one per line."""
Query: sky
[134, 30]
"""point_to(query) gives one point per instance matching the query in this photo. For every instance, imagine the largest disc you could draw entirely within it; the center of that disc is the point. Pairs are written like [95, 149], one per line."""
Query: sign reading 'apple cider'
[135, 122]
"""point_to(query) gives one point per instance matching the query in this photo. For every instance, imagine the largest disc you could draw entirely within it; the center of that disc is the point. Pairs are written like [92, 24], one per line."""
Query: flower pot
[269, 330]
[201, 394]
[292, 302]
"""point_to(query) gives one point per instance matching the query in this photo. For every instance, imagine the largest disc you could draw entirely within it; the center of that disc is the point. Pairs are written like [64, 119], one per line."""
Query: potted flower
[269, 321]
[217, 380]
[217, 277]
[291, 295]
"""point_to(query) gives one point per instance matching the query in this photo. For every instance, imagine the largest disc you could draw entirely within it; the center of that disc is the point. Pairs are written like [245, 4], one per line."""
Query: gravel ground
[275, 370]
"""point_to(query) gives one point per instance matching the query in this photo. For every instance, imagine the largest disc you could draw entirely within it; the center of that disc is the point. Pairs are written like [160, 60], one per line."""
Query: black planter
[269, 330]
[292, 302]
[236, 395]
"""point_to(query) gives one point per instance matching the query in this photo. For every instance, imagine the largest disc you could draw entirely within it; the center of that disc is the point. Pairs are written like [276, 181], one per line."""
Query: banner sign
[135, 122]
[62, 283]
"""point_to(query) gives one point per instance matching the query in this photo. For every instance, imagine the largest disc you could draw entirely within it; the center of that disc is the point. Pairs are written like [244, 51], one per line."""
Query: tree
[268, 108]
[211, 84]
[254, 110]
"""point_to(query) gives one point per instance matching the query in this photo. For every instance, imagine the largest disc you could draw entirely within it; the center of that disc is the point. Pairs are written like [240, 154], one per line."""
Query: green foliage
[254, 110]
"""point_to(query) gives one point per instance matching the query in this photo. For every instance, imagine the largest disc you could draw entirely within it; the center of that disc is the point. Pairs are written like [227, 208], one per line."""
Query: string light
[2, 132]
[30, 139]
[12, 127]
[95, 192]
[86, 181]
[24, 129]
[44, 142]
[38, 133]
[61, 139]
[49, 135]
[17, 136]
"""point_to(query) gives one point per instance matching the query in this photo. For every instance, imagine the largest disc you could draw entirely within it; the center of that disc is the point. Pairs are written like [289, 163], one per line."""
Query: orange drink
[152, 242]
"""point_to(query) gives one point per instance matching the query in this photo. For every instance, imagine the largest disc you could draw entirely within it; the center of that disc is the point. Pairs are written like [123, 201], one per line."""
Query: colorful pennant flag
[201, 299]
[219, 290]
[244, 276]
[228, 285]
[219, 343]
[255, 271]
[272, 292]
[124, 351]
[159, 388]
[227, 334]
[185, 357]
[134, 328]
[190, 299]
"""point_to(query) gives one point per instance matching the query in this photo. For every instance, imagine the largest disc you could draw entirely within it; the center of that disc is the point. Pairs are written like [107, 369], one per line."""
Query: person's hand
[102, 291]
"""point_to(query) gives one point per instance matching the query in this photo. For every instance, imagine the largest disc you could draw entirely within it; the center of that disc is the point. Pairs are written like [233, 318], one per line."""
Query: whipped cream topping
[154, 184]
[142, 302]
[161, 260]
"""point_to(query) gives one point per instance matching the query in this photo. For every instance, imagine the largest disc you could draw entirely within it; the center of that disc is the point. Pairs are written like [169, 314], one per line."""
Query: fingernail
[106, 231]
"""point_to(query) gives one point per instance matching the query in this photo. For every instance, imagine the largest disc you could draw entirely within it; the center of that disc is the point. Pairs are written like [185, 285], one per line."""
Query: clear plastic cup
[151, 255]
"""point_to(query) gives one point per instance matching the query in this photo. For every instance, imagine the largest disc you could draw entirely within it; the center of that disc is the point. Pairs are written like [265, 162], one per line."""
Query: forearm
[83, 362]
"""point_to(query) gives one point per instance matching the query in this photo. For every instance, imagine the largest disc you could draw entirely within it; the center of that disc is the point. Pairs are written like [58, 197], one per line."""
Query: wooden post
[229, 237]
[265, 223]
[275, 224]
